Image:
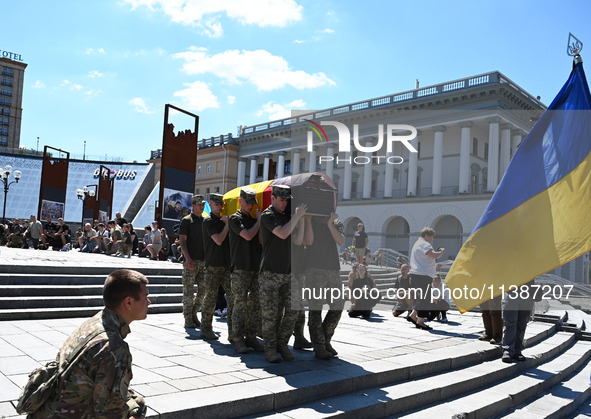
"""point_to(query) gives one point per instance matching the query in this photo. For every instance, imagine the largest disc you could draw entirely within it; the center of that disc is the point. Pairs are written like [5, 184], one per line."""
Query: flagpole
[574, 48]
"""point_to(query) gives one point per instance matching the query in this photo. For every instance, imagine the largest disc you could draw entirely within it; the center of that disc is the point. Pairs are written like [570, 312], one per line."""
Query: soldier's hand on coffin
[332, 217]
[258, 214]
[301, 210]
[225, 219]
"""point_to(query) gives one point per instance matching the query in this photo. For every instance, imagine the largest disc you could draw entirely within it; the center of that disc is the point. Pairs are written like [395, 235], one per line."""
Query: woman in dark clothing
[364, 294]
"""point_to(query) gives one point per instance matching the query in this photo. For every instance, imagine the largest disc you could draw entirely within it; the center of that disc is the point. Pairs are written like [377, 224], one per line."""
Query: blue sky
[102, 71]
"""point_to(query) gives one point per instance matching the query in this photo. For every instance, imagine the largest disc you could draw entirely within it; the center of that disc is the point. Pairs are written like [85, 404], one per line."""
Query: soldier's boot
[488, 327]
[321, 353]
[209, 335]
[189, 323]
[330, 349]
[285, 353]
[253, 342]
[271, 353]
[301, 342]
[195, 319]
[497, 326]
[240, 346]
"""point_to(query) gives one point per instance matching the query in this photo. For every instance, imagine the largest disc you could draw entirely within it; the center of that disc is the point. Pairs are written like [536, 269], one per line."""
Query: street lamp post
[5, 179]
[82, 194]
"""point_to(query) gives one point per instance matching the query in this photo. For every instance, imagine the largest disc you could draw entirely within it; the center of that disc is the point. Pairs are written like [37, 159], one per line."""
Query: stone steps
[559, 401]
[337, 385]
[435, 385]
[496, 399]
[68, 312]
[75, 290]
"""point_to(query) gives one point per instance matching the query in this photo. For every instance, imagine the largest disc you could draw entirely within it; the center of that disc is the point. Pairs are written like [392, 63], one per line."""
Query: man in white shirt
[422, 271]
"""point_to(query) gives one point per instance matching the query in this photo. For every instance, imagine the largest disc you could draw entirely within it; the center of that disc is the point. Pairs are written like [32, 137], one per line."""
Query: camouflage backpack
[44, 380]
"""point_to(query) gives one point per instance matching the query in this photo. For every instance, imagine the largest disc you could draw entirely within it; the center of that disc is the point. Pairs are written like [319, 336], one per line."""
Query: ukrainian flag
[539, 218]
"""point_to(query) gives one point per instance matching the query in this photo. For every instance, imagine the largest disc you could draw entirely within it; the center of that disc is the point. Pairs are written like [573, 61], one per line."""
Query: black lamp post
[82, 194]
[5, 179]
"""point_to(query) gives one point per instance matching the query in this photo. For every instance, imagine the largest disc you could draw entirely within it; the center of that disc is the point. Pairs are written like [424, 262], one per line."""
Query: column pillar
[367, 168]
[281, 164]
[389, 176]
[266, 167]
[312, 160]
[464, 180]
[241, 172]
[295, 164]
[493, 155]
[413, 159]
[515, 141]
[505, 149]
[348, 177]
[253, 170]
[329, 162]
[437, 160]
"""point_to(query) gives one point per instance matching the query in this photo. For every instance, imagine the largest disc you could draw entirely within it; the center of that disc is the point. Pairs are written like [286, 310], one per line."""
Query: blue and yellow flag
[539, 218]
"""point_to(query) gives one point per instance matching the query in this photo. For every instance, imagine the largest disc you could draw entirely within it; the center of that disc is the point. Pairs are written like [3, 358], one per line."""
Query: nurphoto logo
[392, 135]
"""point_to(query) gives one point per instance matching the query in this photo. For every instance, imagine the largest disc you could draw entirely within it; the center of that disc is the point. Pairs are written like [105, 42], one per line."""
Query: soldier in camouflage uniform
[298, 254]
[245, 251]
[275, 276]
[217, 266]
[191, 242]
[98, 384]
[322, 272]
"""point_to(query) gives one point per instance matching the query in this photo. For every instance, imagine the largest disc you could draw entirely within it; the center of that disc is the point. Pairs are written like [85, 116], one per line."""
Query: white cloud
[261, 13]
[140, 105]
[197, 96]
[231, 99]
[38, 85]
[298, 41]
[326, 30]
[95, 73]
[71, 86]
[277, 111]
[91, 51]
[261, 68]
[90, 94]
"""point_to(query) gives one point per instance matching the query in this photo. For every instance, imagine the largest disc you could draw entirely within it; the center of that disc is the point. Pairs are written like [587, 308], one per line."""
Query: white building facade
[467, 132]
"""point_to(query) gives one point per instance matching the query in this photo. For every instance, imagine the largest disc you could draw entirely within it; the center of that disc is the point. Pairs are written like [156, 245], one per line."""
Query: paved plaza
[182, 375]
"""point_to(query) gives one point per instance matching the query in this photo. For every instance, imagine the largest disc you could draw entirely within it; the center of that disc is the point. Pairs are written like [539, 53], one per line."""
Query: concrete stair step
[561, 400]
[155, 268]
[494, 400]
[74, 279]
[329, 380]
[432, 380]
[65, 312]
[7, 303]
[68, 290]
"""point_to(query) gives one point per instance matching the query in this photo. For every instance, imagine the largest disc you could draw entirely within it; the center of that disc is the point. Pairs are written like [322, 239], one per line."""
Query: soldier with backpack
[91, 374]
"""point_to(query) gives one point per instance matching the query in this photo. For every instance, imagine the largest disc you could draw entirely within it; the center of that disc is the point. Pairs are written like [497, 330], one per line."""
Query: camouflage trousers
[296, 294]
[275, 295]
[321, 331]
[246, 314]
[214, 277]
[192, 301]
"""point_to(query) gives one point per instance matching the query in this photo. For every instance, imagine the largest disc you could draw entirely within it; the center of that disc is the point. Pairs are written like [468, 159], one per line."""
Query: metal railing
[494, 77]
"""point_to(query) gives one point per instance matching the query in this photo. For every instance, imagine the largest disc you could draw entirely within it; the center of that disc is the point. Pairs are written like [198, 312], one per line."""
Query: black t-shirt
[50, 228]
[298, 256]
[360, 237]
[215, 255]
[276, 251]
[245, 255]
[135, 240]
[63, 229]
[323, 252]
[121, 221]
[192, 227]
